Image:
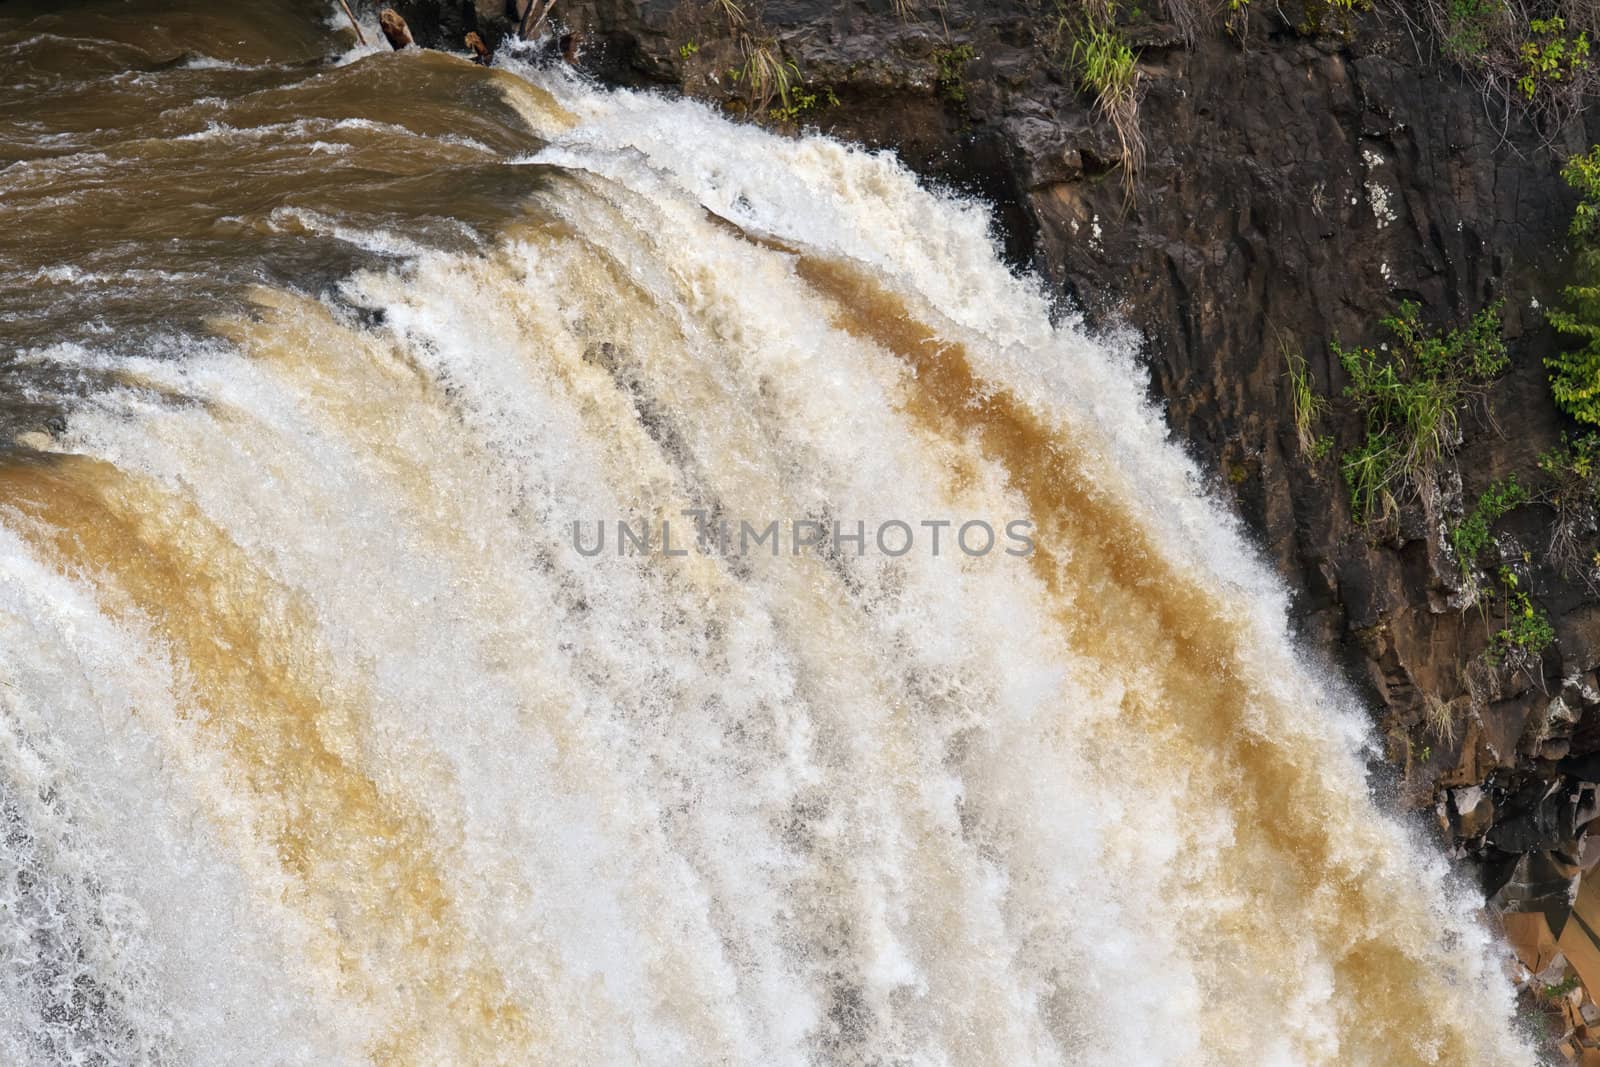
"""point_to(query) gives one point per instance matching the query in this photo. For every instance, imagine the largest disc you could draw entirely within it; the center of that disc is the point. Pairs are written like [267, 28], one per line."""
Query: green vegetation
[1471, 536]
[1307, 406]
[1236, 18]
[1573, 468]
[951, 64]
[1102, 62]
[1369, 473]
[1536, 55]
[765, 76]
[1560, 989]
[769, 83]
[804, 101]
[1549, 55]
[1410, 394]
[1575, 377]
[1525, 631]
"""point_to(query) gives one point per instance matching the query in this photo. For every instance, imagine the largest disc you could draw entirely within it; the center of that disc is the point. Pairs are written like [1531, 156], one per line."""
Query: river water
[324, 740]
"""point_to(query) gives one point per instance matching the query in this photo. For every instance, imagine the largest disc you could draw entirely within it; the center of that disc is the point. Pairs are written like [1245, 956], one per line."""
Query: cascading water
[324, 740]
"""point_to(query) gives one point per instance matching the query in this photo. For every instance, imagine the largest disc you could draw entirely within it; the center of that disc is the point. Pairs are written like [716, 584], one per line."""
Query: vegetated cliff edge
[1298, 184]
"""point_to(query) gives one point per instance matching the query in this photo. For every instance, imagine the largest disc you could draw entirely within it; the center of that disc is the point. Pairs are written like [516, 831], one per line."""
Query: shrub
[1471, 536]
[1540, 63]
[1525, 631]
[1549, 55]
[1410, 394]
[1469, 26]
[1573, 468]
[803, 101]
[1575, 377]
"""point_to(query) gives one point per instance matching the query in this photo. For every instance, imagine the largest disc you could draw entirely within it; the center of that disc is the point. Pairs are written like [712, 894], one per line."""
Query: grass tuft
[1440, 718]
[1103, 63]
[1306, 405]
[1410, 393]
[765, 75]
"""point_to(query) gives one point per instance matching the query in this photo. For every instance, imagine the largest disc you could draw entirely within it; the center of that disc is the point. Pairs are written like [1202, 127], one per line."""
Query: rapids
[322, 741]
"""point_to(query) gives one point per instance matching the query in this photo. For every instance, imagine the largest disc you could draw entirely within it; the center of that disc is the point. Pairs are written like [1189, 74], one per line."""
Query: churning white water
[323, 741]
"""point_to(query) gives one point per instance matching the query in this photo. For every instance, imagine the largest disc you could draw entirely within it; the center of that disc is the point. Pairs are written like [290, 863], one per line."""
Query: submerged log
[394, 28]
[354, 25]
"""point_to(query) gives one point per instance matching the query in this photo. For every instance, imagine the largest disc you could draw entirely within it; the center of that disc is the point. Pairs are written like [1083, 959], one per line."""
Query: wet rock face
[446, 23]
[1296, 189]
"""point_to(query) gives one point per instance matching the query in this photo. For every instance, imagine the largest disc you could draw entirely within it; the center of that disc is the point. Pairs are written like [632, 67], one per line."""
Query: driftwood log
[354, 25]
[527, 32]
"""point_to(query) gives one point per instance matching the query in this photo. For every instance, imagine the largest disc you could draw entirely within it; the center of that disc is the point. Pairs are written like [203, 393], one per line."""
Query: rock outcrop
[446, 23]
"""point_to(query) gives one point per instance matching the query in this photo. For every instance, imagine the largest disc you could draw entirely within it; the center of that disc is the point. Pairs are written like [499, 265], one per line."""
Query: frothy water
[322, 742]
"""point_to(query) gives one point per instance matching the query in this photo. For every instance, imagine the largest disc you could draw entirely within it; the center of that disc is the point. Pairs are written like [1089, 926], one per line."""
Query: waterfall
[323, 738]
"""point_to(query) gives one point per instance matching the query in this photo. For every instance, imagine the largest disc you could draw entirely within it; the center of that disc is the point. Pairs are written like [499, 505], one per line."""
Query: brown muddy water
[324, 739]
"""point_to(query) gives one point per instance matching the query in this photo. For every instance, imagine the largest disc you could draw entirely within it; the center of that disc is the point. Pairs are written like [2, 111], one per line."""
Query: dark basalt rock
[1535, 881]
[446, 23]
